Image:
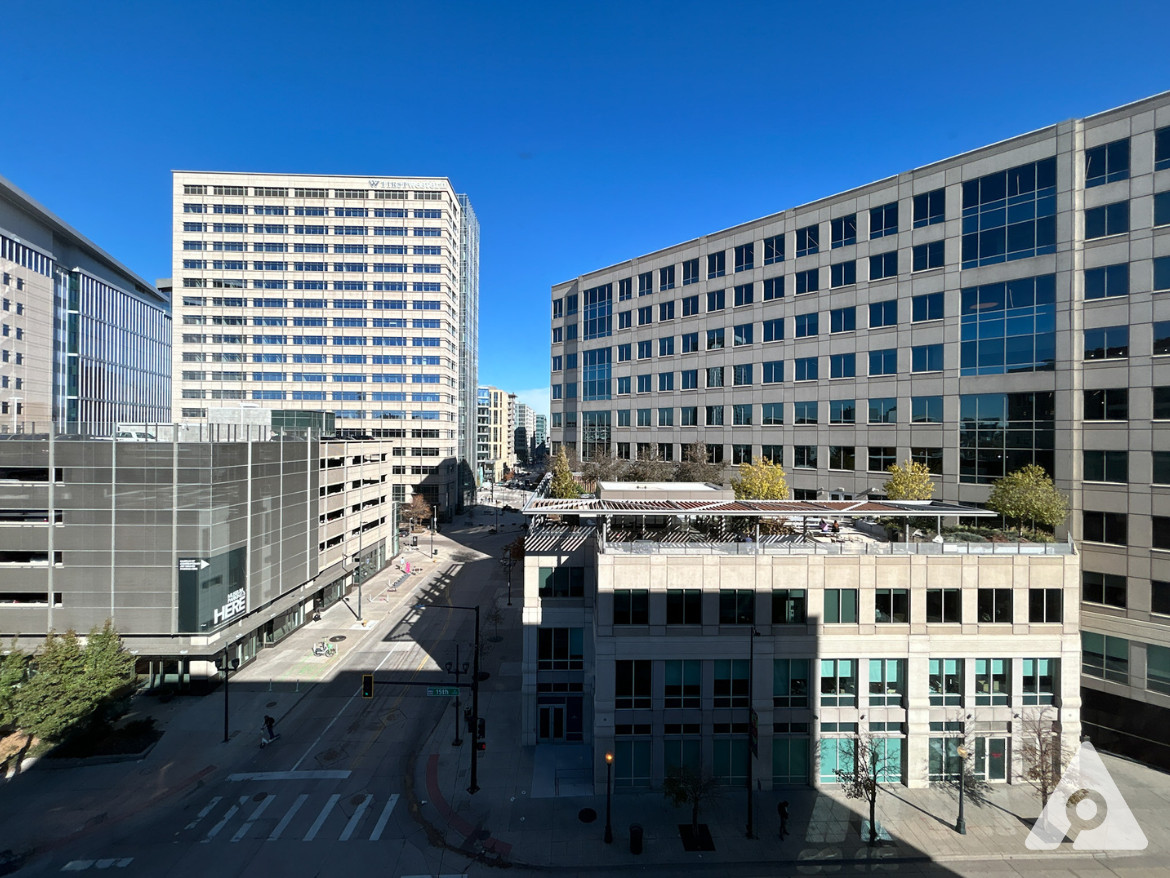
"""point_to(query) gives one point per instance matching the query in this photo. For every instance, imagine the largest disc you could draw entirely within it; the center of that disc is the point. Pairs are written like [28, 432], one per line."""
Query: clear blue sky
[585, 134]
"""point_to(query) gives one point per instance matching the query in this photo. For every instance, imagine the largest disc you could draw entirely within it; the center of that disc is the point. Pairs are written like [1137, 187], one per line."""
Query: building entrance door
[552, 722]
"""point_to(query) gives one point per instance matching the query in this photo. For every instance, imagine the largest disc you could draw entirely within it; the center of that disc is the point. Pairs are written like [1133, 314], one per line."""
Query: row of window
[311, 377]
[342, 340]
[358, 286]
[341, 267]
[283, 247]
[307, 192]
[236, 228]
[316, 304]
[1107, 658]
[336, 322]
[282, 210]
[348, 359]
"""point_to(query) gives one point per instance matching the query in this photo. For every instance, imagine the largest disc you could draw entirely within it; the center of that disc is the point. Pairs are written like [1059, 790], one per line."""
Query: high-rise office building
[351, 295]
[86, 342]
[494, 448]
[525, 429]
[468, 345]
[1003, 307]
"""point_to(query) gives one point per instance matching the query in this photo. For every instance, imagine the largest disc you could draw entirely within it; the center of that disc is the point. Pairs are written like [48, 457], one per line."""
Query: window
[1109, 219]
[1162, 209]
[1107, 163]
[690, 271]
[926, 409]
[1107, 281]
[716, 300]
[930, 208]
[842, 457]
[805, 457]
[625, 319]
[1103, 657]
[1045, 605]
[946, 682]
[742, 335]
[1158, 669]
[625, 289]
[842, 411]
[560, 649]
[683, 686]
[887, 682]
[992, 234]
[883, 410]
[731, 683]
[788, 606]
[807, 241]
[843, 274]
[1160, 526]
[790, 682]
[931, 458]
[666, 278]
[714, 415]
[1161, 468]
[561, 582]
[842, 365]
[684, 606]
[805, 369]
[881, 458]
[745, 257]
[883, 265]
[804, 412]
[1162, 274]
[774, 329]
[689, 416]
[1162, 149]
[665, 311]
[1104, 527]
[1112, 404]
[666, 417]
[1001, 432]
[773, 372]
[883, 362]
[690, 379]
[1106, 466]
[844, 230]
[1103, 588]
[643, 384]
[741, 416]
[993, 679]
[645, 283]
[838, 682]
[646, 315]
[715, 339]
[926, 358]
[773, 249]
[632, 684]
[840, 605]
[714, 376]
[772, 453]
[1160, 597]
[716, 265]
[631, 606]
[883, 220]
[927, 307]
[744, 294]
[995, 605]
[624, 385]
[737, 606]
[1107, 343]
[806, 324]
[666, 346]
[774, 287]
[891, 605]
[883, 313]
[690, 342]
[772, 414]
[643, 417]
[741, 374]
[690, 306]
[807, 281]
[944, 605]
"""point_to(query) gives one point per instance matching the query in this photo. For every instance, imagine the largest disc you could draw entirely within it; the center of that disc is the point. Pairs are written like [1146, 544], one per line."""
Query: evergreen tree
[58, 693]
[1028, 494]
[910, 481]
[761, 480]
[13, 669]
[108, 665]
[563, 485]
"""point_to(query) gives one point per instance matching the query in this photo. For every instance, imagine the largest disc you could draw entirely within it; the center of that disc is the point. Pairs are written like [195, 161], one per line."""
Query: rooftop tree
[1028, 494]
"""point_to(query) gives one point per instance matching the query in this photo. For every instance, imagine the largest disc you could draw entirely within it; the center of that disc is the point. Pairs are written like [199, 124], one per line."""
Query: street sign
[443, 691]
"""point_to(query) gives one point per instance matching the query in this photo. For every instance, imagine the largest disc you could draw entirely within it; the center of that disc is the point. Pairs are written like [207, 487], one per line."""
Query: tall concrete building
[495, 440]
[540, 434]
[353, 295]
[85, 342]
[1002, 307]
[468, 346]
[525, 430]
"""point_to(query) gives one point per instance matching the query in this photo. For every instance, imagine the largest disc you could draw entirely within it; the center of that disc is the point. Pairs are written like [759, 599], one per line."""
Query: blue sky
[585, 133]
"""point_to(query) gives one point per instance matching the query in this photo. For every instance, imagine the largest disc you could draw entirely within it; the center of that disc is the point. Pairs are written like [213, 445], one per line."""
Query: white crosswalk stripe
[385, 816]
[287, 818]
[355, 819]
[231, 812]
[277, 816]
[109, 863]
[243, 830]
[322, 817]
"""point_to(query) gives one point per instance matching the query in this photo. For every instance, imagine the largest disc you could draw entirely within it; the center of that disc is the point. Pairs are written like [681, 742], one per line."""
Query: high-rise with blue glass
[1003, 307]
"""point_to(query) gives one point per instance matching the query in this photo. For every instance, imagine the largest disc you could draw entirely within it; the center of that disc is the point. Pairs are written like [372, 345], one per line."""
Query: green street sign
[443, 691]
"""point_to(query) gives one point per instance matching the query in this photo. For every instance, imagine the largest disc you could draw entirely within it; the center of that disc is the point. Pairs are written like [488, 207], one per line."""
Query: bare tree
[418, 509]
[1043, 755]
[871, 761]
[649, 467]
[695, 466]
[686, 787]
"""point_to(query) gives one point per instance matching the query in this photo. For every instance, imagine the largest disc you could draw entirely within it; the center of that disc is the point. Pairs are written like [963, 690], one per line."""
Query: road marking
[82, 865]
[384, 818]
[324, 774]
[243, 830]
[204, 812]
[322, 817]
[355, 819]
[287, 818]
[77, 865]
[231, 812]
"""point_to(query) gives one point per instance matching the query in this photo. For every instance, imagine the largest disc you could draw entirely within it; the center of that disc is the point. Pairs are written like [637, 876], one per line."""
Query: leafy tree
[418, 509]
[604, 468]
[685, 787]
[1028, 494]
[58, 693]
[563, 486]
[871, 761]
[695, 466]
[13, 670]
[910, 481]
[761, 480]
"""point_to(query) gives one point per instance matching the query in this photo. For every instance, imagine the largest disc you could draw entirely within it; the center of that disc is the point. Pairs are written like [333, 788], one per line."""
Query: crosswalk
[274, 817]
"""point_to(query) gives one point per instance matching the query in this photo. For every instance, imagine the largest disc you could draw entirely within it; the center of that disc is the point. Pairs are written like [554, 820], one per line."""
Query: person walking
[782, 810]
[269, 724]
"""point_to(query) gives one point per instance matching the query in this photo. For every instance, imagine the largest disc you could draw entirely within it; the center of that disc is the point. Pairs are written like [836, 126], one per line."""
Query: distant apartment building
[540, 431]
[495, 444]
[352, 295]
[84, 342]
[1003, 307]
[524, 432]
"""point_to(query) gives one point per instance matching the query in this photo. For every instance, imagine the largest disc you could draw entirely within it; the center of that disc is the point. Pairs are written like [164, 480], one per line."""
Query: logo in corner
[1087, 807]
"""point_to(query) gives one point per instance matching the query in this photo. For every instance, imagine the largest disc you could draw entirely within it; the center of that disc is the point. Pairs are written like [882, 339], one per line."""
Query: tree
[649, 467]
[871, 761]
[910, 481]
[418, 509]
[761, 480]
[695, 466]
[1042, 755]
[58, 693]
[13, 670]
[604, 468]
[686, 787]
[108, 665]
[563, 485]
[1028, 494]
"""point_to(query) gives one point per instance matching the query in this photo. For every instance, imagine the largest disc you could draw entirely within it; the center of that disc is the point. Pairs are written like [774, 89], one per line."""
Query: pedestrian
[269, 722]
[782, 810]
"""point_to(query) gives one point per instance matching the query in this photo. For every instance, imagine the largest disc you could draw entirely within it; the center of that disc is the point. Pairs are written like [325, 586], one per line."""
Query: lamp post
[961, 823]
[456, 668]
[608, 797]
[228, 666]
[752, 728]
[473, 788]
[511, 564]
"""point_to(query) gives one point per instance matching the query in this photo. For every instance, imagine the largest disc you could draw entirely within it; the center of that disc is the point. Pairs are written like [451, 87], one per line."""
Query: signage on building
[193, 563]
[237, 603]
[408, 184]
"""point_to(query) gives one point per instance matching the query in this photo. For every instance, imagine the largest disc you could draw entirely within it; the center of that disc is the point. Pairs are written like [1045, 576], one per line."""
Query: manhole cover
[270, 704]
[337, 638]
[586, 815]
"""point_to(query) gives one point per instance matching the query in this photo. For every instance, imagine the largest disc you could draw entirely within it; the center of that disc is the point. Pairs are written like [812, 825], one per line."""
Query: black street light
[961, 823]
[474, 787]
[608, 797]
[457, 669]
[752, 728]
[227, 666]
[511, 564]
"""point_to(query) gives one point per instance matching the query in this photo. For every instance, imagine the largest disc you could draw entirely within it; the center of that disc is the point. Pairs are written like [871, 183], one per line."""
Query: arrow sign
[193, 563]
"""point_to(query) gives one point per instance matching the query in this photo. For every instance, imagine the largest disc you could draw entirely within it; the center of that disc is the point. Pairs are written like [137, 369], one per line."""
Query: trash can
[414, 541]
[635, 838]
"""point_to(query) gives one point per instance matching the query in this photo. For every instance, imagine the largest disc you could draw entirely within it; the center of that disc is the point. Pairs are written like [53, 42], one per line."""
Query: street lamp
[227, 667]
[474, 787]
[961, 823]
[608, 797]
[457, 669]
[753, 727]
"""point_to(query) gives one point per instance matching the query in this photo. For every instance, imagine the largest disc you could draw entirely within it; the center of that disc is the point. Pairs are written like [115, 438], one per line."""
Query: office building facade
[524, 432]
[1002, 307]
[495, 415]
[354, 295]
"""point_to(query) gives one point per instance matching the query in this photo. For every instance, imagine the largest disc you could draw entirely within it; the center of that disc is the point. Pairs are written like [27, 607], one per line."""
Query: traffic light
[367, 685]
